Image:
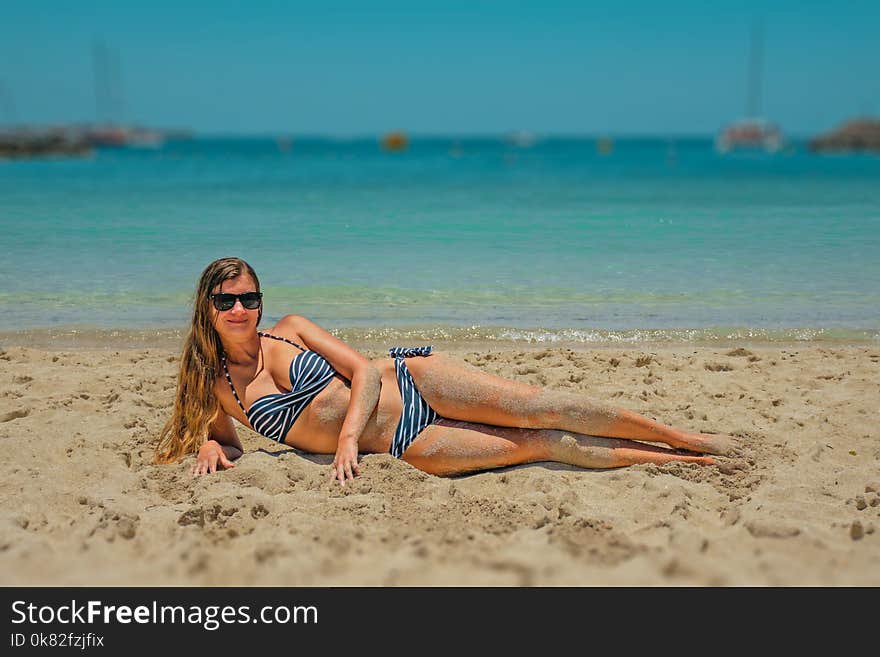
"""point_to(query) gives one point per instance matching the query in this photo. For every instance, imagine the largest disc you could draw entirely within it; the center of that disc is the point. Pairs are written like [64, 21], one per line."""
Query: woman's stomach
[318, 428]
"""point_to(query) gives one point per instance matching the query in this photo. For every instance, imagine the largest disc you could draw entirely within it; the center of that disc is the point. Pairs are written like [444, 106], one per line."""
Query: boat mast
[7, 105]
[109, 104]
[753, 110]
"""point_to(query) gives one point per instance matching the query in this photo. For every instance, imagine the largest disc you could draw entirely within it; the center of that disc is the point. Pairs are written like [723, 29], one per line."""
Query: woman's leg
[460, 391]
[453, 447]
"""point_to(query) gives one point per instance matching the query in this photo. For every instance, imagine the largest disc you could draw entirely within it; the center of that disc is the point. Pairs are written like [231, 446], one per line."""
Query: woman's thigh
[458, 390]
[453, 447]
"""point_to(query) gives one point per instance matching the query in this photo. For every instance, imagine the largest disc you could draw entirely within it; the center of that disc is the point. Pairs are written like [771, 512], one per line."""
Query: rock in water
[855, 135]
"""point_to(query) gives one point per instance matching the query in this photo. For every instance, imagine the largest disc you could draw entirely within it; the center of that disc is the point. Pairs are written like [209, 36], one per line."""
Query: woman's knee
[562, 409]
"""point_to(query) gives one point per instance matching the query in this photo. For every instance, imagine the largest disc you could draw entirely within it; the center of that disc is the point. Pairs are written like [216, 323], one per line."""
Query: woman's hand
[345, 463]
[210, 455]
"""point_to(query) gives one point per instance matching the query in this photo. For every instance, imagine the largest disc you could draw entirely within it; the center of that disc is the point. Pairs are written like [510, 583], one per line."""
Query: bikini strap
[226, 369]
[275, 337]
[232, 387]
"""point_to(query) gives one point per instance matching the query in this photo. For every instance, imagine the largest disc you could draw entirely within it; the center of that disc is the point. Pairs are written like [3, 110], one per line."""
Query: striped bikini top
[273, 415]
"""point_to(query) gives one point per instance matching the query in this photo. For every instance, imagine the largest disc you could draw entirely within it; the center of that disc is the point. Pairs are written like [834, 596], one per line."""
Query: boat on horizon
[124, 136]
[749, 133]
[752, 132]
[521, 138]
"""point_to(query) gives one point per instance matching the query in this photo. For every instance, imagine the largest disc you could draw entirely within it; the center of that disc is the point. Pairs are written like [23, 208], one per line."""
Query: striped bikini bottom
[417, 413]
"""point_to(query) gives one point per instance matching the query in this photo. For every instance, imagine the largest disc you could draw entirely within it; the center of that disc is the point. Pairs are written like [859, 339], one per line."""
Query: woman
[300, 385]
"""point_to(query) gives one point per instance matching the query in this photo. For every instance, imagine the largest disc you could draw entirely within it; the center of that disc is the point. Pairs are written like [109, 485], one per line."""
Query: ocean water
[469, 236]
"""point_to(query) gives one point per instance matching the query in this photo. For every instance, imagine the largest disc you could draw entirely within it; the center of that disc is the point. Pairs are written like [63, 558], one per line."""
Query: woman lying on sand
[299, 385]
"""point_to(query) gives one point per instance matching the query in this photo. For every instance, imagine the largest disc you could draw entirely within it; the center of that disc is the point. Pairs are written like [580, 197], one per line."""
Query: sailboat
[109, 100]
[753, 131]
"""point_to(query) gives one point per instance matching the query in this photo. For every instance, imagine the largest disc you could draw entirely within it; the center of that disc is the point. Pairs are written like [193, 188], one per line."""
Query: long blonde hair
[196, 407]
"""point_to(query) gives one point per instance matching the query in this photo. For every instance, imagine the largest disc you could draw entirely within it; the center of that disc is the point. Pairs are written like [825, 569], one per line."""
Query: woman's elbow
[369, 374]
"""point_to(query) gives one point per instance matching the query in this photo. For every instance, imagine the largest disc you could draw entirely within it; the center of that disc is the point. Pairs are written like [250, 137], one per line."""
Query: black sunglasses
[225, 301]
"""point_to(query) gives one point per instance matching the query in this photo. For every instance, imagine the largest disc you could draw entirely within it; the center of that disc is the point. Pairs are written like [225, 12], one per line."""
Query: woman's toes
[716, 443]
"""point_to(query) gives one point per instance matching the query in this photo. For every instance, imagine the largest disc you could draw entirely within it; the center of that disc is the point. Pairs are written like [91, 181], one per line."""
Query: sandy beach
[85, 505]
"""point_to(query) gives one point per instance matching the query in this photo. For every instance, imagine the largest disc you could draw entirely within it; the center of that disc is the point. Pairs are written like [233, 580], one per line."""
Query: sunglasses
[225, 301]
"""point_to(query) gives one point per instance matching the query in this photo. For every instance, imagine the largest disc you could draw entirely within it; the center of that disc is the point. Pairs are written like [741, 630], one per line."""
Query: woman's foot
[713, 443]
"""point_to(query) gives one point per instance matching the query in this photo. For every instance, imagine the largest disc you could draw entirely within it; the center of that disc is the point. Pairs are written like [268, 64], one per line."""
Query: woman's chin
[237, 328]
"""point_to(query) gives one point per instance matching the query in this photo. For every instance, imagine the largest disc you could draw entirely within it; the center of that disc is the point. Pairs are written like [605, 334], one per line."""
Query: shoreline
[461, 337]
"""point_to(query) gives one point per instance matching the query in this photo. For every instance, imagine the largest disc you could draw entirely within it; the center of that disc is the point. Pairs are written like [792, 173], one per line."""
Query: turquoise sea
[481, 237]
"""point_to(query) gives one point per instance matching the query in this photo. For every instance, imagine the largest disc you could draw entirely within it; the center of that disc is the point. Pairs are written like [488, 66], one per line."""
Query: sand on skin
[84, 505]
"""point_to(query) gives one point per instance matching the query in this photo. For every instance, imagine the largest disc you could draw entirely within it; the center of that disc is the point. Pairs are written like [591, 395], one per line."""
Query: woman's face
[238, 321]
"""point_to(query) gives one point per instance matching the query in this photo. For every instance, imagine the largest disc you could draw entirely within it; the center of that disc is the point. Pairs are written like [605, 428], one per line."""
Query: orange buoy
[395, 141]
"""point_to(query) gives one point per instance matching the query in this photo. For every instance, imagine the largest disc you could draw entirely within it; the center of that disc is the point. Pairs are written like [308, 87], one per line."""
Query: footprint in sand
[192, 517]
[870, 498]
[856, 531]
[14, 415]
[113, 524]
[126, 528]
[771, 529]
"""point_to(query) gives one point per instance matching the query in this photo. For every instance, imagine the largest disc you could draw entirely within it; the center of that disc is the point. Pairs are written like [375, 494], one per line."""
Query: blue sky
[362, 68]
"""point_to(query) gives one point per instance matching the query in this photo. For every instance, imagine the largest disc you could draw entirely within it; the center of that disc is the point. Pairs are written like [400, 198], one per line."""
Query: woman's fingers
[205, 465]
[342, 472]
[344, 468]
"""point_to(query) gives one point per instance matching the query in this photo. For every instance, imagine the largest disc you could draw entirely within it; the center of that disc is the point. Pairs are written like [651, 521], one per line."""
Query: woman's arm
[366, 383]
[222, 448]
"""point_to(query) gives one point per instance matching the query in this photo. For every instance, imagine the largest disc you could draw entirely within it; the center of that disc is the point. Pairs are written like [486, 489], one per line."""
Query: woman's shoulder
[288, 327]
[290, 322]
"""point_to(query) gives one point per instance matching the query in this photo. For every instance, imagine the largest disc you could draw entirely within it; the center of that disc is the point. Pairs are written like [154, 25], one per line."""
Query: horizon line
[410, 134]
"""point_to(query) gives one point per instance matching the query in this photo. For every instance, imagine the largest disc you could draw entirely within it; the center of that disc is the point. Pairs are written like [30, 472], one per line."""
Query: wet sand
[84, 505]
